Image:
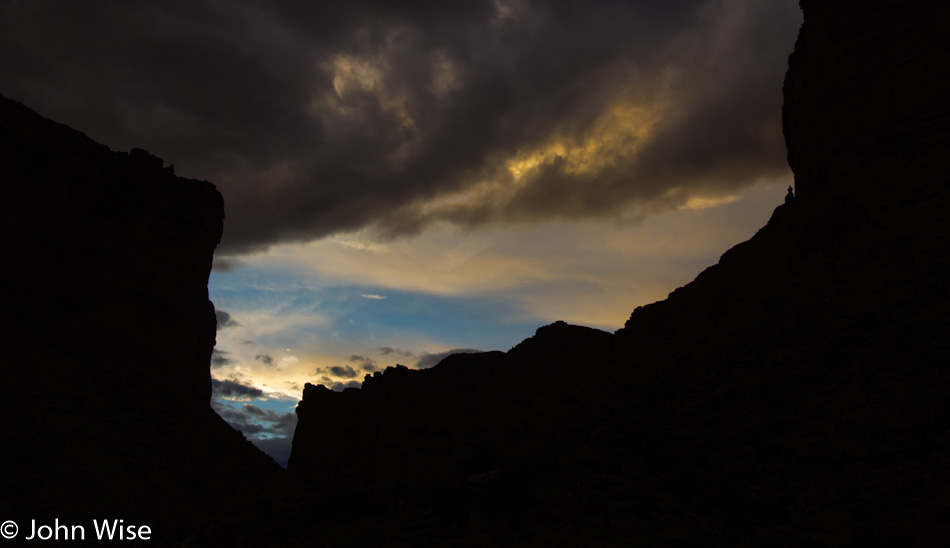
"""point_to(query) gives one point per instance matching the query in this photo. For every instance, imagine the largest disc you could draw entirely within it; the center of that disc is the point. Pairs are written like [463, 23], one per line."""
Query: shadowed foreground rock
[108, 332]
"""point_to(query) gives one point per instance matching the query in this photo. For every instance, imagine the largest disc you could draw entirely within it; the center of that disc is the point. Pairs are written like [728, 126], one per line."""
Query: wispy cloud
[588, 273]
[371, 296]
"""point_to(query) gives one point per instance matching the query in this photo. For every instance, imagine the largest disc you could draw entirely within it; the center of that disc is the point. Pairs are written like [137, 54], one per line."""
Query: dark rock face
[865, 96]
[108, 331]
[113, 242]
[402, 412]
[791, 394]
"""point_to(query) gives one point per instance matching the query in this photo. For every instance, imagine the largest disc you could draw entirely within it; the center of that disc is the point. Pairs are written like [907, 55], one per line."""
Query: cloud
[330, 375]
[265, 359]
[317, 119]
[390, 351]
[344, 371]
[225, 320]
[376, 297]
[218, 359]
[427, 360]
[324, 378]
[366, 363]
[277, 423]
[226, 264]
[338, 386]
[271, 431]
[234, 390]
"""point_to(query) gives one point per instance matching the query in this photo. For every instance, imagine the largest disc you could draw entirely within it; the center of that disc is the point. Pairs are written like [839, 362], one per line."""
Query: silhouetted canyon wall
[865, 97]
[791, 394]
[108, 331]
[116, 244]
[400, 411]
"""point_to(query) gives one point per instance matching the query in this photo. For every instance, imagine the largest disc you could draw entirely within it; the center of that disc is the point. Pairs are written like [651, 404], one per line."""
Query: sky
[403, 180]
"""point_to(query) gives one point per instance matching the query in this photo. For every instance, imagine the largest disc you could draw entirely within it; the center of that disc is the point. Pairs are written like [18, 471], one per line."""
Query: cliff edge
[109, 333]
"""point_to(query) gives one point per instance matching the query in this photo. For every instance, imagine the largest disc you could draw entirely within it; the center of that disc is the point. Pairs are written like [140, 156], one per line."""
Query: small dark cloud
[226, 264]
[234, 390]
[339, 386]
[225, 320]
[390, 351]
[218, 359]
[330, 375]
[249, 342]
[278, 423]
[227, 413]
[334, 384]
[266, 359]
[344, 371]
[364, 362]
[427, 360]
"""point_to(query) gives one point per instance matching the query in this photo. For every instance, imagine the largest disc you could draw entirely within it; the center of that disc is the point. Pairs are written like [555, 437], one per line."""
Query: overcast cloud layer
[320, 118]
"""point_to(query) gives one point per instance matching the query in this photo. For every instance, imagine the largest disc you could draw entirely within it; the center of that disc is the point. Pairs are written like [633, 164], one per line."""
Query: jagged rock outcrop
[791, 394]
[401, 412]
[108, 335]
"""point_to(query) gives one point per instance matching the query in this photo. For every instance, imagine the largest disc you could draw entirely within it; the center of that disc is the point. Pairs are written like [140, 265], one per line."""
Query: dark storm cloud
[230, 389]
[225, 320]
[316, 118]
[428, 360]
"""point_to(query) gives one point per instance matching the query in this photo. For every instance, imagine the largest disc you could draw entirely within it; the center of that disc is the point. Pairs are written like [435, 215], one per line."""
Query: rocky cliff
[791, 394]
[400, 411]
[108, 334]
